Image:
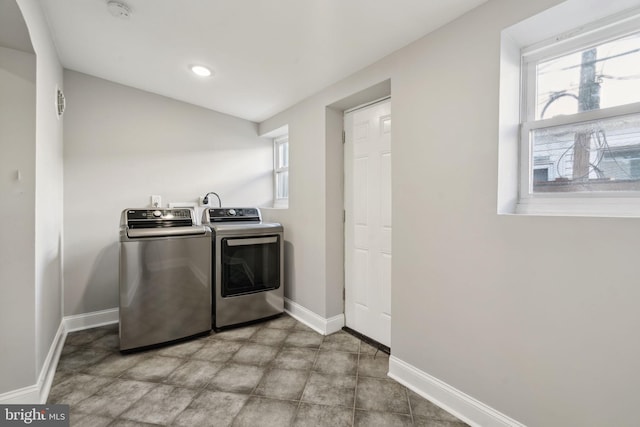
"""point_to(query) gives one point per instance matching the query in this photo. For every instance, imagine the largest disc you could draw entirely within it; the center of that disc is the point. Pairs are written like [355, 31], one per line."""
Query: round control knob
[157, 214]
[231, 212]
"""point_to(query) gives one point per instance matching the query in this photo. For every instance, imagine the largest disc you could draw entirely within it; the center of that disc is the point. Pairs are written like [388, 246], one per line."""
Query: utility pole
[588, 99]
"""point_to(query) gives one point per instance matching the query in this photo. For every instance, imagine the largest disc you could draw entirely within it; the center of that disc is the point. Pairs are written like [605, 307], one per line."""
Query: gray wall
[48, 192]
[534, 316]
[30, 245]
[17, 234]
[121, 146]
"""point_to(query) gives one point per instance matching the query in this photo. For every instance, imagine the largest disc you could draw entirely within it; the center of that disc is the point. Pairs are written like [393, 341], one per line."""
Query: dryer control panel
[231, 215]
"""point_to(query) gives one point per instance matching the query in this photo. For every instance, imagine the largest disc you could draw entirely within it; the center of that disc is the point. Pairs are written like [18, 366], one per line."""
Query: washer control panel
[152, 218]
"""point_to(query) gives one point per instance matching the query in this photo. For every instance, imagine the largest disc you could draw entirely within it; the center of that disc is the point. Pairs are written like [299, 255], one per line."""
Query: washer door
[249, 264]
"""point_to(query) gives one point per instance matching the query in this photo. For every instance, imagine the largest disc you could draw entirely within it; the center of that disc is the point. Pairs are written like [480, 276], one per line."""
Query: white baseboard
[463, 406]
[314, 321]
[51, 363]
[39, 392]
[94, 319]
[30, 394]
[334, 324]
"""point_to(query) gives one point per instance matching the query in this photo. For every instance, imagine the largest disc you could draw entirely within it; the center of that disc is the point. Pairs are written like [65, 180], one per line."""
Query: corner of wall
[324, 326]
[38, 393]
[452, 400]
[49, 182]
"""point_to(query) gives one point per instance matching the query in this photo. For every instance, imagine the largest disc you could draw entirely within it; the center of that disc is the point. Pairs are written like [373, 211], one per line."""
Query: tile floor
[276, 373]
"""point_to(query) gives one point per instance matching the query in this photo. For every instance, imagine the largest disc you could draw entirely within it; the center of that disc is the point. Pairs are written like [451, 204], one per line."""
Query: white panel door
[367, 157]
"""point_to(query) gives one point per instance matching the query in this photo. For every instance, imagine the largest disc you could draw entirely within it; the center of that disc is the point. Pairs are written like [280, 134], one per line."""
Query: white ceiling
[266, 54]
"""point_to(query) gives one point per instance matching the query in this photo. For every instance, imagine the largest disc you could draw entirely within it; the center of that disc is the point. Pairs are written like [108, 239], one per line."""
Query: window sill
[608, 207]
[280, 204]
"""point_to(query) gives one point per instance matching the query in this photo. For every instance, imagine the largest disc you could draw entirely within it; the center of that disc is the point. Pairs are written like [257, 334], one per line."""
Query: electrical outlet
[201, 201]
[156, 201]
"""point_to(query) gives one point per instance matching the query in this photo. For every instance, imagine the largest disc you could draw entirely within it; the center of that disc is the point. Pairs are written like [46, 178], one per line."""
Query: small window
[580, 129]
[281, 169]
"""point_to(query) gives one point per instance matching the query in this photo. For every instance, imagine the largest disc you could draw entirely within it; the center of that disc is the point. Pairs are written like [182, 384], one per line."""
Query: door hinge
[344, 216]
[344, 137]
[344, 294]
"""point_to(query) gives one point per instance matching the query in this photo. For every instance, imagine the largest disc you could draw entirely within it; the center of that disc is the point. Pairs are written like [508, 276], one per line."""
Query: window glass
[603, 76]
[281, 168]
[578, 153]
[600, 155]
[283, 155]
[282, 184]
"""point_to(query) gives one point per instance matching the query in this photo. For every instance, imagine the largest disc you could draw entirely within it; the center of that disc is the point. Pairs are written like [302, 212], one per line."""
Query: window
[580, 116]
[281, 169]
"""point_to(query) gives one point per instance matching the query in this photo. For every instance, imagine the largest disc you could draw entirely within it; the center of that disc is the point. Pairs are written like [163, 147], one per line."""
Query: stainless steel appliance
[165, 277]
[248, 266]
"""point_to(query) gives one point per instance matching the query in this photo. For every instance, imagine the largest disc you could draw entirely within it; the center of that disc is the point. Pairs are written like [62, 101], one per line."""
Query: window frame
[278, 170]
[572, 203]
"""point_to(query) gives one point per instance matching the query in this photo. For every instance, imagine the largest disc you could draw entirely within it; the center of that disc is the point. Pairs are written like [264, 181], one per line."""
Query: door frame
[344, 180]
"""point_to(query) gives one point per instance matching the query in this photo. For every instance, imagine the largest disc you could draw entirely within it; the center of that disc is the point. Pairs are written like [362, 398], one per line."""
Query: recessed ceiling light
[200, 70]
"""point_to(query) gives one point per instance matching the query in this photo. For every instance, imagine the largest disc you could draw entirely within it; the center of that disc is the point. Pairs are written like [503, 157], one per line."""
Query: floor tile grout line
[278, 348]
[355, 390]
[184, 360]
[252, 393]
[119, 416]
[270, 367]
[406, 393]
[311, 371]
